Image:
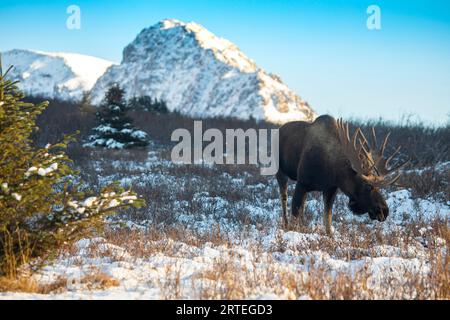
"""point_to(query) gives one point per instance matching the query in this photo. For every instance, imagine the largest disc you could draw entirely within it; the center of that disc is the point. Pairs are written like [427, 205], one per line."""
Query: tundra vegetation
[43, 202]
[215, 232]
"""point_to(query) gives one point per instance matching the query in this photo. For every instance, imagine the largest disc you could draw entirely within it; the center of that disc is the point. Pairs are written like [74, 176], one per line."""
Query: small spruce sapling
[42, 208]
[116, 130]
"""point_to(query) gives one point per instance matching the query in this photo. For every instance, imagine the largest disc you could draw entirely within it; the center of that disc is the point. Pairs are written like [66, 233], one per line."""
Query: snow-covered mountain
[199, 74]
[194, 71]
[66, 76]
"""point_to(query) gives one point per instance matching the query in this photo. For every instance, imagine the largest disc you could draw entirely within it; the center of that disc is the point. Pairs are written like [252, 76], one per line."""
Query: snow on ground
[232, 246]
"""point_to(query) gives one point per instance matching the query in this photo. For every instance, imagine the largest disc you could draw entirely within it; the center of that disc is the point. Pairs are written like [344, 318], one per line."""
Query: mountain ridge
[201, 75]
[61, 75]
[194, 71]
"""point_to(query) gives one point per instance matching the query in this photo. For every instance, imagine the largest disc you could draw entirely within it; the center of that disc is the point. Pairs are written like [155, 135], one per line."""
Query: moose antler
[353, 149]
[367, 159]
[382, 174]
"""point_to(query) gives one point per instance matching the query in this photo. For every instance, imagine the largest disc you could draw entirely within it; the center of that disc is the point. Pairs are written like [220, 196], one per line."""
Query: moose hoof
[330, 231]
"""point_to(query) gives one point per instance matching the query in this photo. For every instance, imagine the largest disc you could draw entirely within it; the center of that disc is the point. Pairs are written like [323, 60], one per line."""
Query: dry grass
[229, 277]
[30, 285]
[94, 280]
[98, 280]
[22, 284]
[144, 244]
[233, 276]
[429, 183]
[170, 284]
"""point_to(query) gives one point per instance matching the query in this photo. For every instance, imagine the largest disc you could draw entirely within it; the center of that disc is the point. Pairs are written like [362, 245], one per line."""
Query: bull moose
[321, 156]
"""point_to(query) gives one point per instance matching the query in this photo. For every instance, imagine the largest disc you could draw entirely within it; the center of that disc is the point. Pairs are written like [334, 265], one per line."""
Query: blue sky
[321, 49]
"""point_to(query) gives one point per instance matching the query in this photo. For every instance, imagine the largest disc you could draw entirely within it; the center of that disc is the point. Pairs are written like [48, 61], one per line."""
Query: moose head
[372, 169]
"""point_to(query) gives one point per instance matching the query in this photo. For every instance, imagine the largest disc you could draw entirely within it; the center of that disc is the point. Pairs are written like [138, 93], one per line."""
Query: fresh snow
[43, 171]
[16, 196]
[277, 251]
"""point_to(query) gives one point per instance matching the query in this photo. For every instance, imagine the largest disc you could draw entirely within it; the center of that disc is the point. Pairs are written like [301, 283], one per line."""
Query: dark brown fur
[312, 155]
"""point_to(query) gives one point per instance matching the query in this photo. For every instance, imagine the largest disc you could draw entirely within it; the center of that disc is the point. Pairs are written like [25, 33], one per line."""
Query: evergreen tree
[146, 103]
[41, 207]
[116, 130]
[160, 107]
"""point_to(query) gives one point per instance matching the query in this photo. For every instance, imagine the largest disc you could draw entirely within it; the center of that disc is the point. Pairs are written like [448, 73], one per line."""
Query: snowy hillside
[199, 74]
[213, 234]
[66, 76]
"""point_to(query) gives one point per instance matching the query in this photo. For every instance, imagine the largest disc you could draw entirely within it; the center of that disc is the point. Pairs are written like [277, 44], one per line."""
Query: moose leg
[298, 201]
[328, 199]
[283, 184]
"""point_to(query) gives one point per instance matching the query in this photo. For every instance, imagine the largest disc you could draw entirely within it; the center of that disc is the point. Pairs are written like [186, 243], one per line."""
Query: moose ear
[349, 164]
